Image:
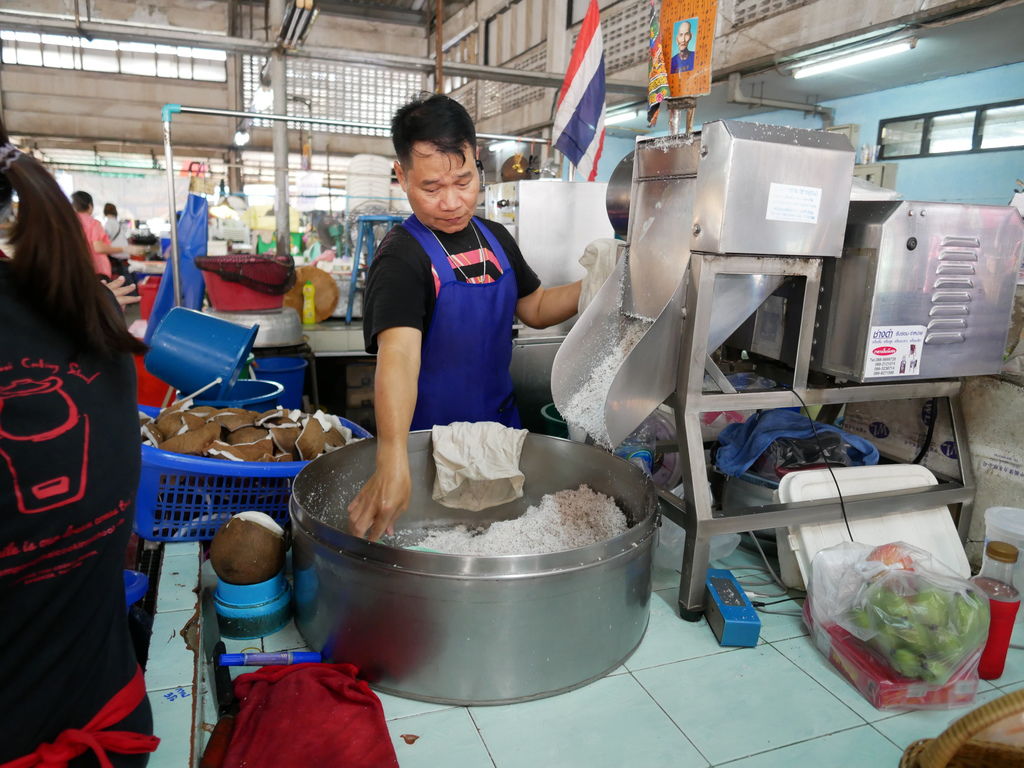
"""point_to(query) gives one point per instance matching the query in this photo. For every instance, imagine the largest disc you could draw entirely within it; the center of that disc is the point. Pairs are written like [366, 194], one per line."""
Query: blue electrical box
[729, 613]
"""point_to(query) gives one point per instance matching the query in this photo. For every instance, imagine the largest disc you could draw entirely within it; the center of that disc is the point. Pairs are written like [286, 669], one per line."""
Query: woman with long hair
[72, 692]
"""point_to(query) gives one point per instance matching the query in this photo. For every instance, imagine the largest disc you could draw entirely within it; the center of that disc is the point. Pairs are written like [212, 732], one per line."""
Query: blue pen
[263, 659]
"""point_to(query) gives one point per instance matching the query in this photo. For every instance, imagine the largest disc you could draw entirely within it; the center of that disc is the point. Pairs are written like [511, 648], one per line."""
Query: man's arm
[549, 306]
[386, 494]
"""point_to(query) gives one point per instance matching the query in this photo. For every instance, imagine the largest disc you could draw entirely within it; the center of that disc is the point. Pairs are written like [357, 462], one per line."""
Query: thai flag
[579, 117]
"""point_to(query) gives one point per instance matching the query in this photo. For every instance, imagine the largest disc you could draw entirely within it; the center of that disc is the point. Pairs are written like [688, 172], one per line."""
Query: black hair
[52, 264]
[437, 119]
[81, 201]
[110, 209]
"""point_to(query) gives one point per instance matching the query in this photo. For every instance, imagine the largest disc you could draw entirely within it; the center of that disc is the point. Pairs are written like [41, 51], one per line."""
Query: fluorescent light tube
[859, 57]
[621, 117]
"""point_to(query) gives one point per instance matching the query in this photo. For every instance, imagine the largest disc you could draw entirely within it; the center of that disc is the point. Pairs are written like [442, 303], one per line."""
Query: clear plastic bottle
[638, 448]
[309, 303]
[996, 581]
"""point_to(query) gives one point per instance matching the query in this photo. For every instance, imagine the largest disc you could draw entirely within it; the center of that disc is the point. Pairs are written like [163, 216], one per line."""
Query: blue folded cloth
[741, 444]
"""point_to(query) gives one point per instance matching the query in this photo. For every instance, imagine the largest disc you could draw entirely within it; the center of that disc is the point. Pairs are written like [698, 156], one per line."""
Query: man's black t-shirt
[69, 468]
[401, 287]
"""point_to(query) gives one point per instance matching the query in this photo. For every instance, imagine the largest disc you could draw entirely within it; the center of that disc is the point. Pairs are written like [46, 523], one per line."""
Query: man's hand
[385, 496]
[382, 500]
[125, 294]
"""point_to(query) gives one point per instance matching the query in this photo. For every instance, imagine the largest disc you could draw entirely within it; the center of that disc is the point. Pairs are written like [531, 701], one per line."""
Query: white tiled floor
[680, 700]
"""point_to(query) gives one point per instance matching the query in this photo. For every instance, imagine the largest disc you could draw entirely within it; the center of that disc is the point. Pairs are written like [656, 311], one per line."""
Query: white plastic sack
[477, 464]
[599, 260]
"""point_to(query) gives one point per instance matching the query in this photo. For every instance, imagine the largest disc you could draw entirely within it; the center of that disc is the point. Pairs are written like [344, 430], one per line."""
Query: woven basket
[955, 748]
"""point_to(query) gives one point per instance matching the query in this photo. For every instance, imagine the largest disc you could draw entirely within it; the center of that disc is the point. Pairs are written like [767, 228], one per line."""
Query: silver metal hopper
[738, 188]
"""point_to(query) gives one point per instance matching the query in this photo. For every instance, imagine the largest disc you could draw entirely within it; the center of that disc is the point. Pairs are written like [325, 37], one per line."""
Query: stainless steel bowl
[278, 328]
[465, 629]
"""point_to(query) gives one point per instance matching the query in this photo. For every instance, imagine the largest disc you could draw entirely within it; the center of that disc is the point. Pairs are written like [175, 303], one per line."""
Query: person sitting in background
[95, 235]
[72, 691]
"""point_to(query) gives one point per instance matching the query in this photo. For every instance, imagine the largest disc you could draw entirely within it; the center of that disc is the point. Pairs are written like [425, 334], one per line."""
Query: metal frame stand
[366, 238]
[697, 513]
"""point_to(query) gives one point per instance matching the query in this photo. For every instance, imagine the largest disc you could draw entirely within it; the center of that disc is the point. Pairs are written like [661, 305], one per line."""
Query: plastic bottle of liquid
[996, 581]
[309, 303]
[638, 448]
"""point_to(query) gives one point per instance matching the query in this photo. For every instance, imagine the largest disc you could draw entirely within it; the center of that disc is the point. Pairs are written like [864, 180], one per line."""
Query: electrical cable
[933, 409]
[842, 501]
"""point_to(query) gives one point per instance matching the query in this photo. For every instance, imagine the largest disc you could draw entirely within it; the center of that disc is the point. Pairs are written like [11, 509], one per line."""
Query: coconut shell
[193, 443]
[192, 421]
[169, 422]
[310, 442]
[245, 452]
[247, 435]
[244, 552]
[234, 418]
[284, 437]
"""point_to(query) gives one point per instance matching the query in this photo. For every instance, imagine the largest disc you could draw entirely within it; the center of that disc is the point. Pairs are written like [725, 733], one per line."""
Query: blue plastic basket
[187, 498]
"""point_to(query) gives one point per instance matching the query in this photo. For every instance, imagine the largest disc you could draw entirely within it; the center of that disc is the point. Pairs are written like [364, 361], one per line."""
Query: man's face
[442, 189]
[683, 37]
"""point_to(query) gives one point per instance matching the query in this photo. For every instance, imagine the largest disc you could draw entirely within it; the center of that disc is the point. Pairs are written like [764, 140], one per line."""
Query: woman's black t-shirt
[69, 468]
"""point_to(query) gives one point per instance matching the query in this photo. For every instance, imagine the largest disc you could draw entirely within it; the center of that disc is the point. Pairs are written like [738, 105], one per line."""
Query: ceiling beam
[373, 12]
[163, 36]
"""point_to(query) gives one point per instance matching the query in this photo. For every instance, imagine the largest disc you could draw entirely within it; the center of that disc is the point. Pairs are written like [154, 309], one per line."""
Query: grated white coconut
[564, 520]
[585, 408]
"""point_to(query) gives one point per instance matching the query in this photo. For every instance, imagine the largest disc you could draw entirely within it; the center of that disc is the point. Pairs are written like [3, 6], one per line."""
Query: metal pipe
[279, 85]
[326, 121]
[29, 22]
[172, 207]
[736, 96]
[439, 46]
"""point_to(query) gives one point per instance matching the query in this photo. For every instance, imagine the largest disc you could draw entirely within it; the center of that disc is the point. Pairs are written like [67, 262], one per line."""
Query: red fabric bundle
[308, 715]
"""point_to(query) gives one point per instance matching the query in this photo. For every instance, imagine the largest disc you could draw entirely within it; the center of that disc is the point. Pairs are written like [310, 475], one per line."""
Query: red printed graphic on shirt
[475, 266]
[44, 438]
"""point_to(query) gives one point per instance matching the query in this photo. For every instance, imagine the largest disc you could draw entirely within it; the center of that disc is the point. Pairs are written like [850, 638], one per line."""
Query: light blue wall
[986, 177]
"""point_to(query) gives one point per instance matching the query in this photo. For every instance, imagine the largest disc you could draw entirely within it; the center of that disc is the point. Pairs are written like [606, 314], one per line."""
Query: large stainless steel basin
[464, 629]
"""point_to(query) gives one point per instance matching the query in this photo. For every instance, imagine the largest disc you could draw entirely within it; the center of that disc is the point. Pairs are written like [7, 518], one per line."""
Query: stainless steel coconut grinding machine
[718, 223]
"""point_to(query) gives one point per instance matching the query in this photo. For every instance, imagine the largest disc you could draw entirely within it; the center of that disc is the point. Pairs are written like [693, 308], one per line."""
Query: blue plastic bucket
[135, 586]
[287, 371]
[245, 612]
[253, 394]
[189, 350]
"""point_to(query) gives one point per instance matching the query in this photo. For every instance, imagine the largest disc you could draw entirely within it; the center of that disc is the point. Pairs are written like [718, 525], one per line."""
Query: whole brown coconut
[248, 548]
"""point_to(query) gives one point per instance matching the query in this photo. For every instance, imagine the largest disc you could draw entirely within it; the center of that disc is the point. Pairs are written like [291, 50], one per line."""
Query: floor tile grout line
[791, 744]
[887, 738]
[671, 719]
[417, 714]
[480, 736]
[824, 687]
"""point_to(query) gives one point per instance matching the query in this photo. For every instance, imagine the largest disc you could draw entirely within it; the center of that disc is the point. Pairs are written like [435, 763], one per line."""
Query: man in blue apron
[442, 294]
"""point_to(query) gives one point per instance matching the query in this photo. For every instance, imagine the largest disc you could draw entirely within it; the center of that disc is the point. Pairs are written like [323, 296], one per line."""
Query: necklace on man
[480, 250]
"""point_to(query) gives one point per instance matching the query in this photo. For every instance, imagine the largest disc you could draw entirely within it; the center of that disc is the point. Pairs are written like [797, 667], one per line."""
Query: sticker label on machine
[790, 202]
[894, 350]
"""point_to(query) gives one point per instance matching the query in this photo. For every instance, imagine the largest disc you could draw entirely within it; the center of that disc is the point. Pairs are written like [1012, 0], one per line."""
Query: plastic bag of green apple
[919, 616]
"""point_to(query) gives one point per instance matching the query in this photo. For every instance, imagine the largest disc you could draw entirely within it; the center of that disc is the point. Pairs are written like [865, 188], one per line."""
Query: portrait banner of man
[688, 31]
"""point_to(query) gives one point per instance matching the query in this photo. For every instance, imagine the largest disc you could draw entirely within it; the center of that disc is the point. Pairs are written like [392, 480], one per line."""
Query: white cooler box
[931, 529]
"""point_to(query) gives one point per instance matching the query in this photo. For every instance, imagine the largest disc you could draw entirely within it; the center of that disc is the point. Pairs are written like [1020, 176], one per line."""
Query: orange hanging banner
[687, 37]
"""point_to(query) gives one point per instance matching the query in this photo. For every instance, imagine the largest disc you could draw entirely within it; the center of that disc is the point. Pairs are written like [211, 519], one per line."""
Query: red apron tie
[93, 736]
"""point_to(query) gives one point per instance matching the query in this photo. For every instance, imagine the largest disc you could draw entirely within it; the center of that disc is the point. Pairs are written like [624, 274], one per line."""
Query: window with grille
[624, 32]
[738, 13]
[983, 128]
[330, 91]
[145, 59]
[498, 98]
[514, 31]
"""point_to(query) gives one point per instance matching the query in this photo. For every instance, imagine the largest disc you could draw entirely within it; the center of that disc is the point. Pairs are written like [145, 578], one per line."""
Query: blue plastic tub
[253, 394]
[287, 371]
[189, 350]
[187, 498]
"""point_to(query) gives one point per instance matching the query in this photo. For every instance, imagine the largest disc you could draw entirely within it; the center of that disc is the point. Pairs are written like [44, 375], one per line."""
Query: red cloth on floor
[306, 715]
